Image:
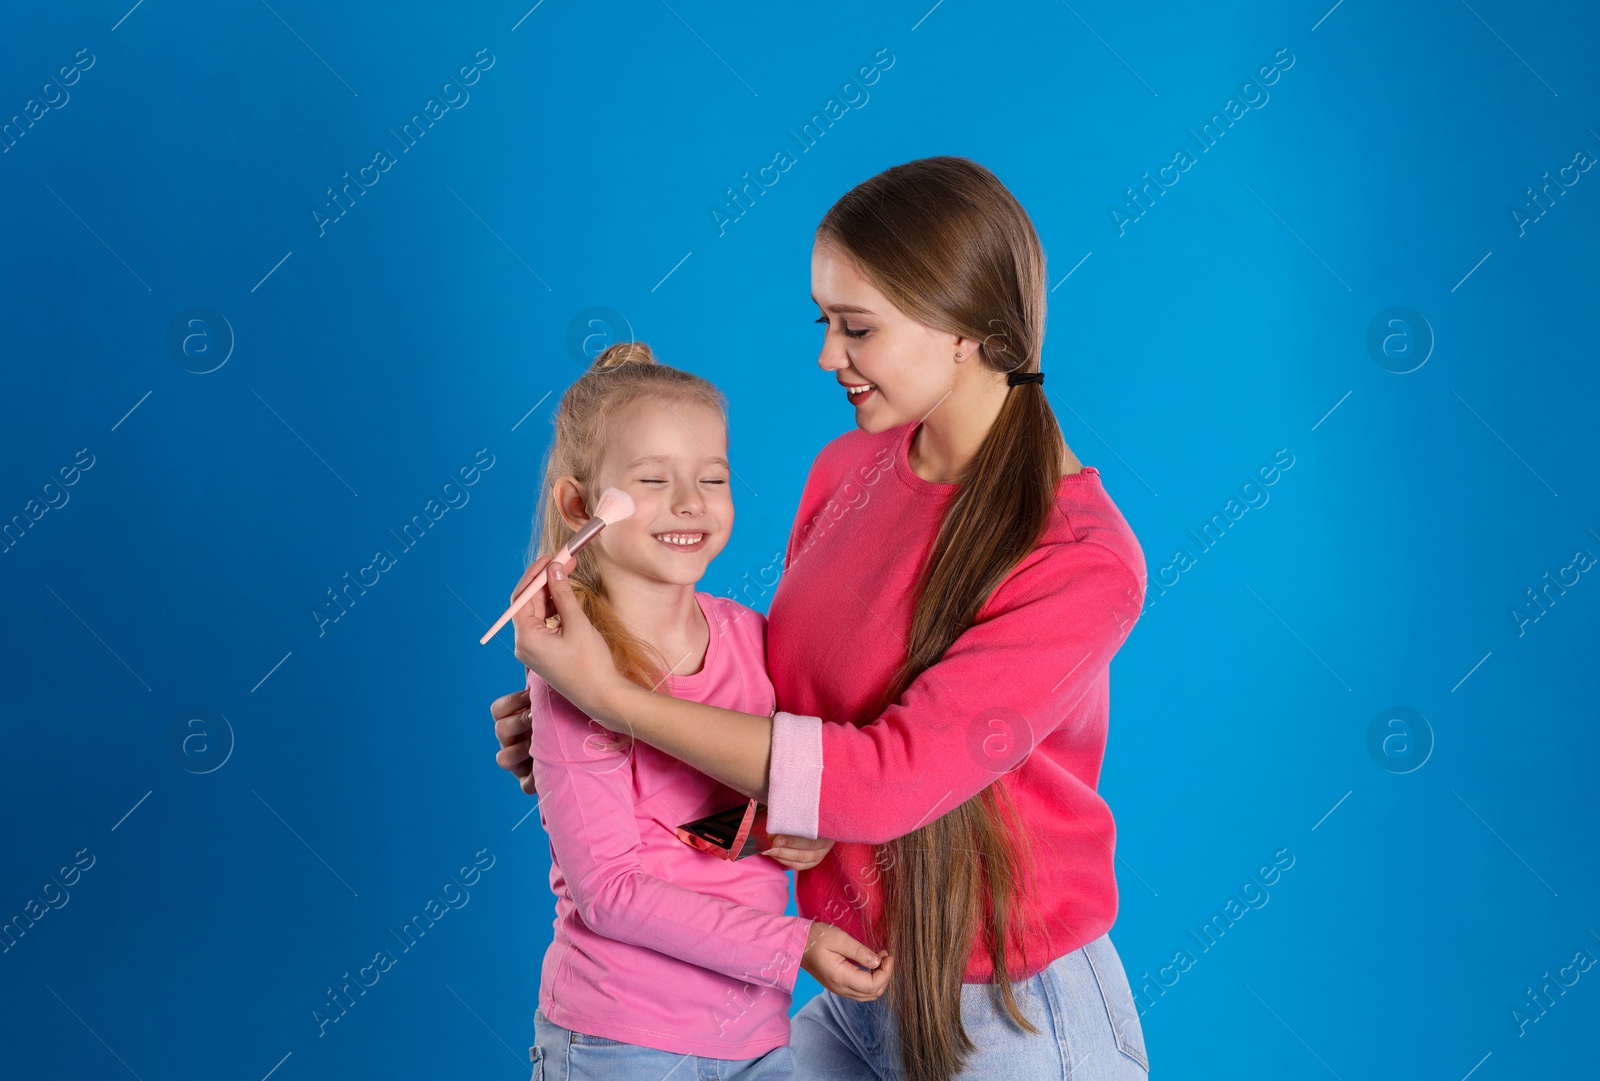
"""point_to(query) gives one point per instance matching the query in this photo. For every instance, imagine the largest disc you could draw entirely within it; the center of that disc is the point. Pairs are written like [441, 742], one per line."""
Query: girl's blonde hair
[623, 375]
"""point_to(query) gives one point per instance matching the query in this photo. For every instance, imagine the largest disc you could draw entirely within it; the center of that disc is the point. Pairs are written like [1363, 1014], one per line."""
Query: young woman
[955, 587]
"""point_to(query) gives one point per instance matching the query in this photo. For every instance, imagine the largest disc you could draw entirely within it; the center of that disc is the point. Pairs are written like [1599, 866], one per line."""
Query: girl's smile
[683, 542]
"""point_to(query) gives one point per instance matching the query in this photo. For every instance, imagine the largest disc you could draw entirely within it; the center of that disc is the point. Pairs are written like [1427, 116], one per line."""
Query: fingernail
[557, 572]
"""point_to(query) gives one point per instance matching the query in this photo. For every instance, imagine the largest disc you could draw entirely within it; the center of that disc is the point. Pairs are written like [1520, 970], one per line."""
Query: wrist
[613, 705]
[813, 933]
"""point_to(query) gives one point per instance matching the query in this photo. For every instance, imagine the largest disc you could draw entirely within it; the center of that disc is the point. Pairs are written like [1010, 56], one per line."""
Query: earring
[958, 354]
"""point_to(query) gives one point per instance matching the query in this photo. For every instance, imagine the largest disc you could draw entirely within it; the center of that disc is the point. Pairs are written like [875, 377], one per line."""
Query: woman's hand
[513, 723]
[798, 853]
[832, 957]
[571, 657]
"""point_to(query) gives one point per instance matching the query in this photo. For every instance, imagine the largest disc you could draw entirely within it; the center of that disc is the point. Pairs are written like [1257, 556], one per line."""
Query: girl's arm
[586, 805]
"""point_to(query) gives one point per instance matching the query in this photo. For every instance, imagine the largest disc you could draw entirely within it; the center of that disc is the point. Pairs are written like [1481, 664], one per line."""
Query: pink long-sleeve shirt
[657, 943]
[1031, 672]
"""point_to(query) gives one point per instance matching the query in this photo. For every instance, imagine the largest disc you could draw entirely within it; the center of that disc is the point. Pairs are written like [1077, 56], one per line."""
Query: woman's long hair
[945, 241]
[623, 375]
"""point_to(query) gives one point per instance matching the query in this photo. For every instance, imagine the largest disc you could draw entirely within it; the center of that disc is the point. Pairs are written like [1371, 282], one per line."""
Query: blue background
[339, 772]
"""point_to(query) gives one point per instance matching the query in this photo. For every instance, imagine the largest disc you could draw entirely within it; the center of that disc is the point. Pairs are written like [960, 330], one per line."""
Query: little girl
[660, 951]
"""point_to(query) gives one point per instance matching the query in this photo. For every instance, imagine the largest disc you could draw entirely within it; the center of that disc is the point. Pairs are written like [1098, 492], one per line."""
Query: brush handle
[583, 536]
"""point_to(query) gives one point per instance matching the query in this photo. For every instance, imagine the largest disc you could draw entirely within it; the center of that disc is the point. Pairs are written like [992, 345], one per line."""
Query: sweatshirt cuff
[794, 779]
[797, 952]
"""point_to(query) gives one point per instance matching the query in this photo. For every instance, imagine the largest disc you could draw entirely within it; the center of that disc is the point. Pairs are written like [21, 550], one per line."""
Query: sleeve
[586, 802]
[1011, 679]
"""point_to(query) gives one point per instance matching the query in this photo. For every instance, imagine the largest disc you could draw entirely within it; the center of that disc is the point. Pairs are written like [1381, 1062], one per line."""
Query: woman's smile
[859, 392]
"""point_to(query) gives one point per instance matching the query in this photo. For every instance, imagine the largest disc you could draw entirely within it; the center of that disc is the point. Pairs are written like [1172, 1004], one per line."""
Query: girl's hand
[572, 657]
[832, 957]
[798, 853]
[512, 726]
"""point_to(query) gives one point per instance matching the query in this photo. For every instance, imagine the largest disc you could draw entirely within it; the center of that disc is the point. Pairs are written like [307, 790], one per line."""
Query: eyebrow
[666, 458]
[844, 309]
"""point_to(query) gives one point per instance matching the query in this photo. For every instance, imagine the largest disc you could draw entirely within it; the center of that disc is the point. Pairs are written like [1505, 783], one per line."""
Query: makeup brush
[614, 506]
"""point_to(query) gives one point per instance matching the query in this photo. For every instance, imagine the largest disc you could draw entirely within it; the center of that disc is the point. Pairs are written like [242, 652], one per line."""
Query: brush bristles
[614, 506]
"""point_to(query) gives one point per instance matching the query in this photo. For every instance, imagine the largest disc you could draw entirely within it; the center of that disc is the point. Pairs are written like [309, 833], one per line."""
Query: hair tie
[1013, 378]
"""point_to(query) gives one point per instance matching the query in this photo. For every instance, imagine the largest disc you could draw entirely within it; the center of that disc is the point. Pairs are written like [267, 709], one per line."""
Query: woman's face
[910, 367]
[670, 457]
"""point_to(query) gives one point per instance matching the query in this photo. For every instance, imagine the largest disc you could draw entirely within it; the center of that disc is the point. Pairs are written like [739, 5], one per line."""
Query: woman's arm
[1006, 683]
[732, 747]
[1034, 666]
[742, 754]
[512, 724]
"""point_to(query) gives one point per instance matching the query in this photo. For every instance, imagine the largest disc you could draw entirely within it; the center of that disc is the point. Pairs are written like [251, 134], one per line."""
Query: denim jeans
[560, 1054]
[1081, 1003]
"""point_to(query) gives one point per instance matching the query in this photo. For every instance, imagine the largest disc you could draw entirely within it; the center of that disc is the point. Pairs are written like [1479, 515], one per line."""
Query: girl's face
[671, 457]
[910, 367]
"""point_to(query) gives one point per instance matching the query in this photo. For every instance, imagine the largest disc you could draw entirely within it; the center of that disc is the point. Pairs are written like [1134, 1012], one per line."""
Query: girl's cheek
[643, 509]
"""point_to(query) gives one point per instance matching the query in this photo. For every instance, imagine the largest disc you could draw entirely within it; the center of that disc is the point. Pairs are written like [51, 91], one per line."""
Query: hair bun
[614, 356]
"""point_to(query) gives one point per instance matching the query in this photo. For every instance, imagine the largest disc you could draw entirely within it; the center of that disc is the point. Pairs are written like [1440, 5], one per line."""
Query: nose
[833, 357]
[690, 503]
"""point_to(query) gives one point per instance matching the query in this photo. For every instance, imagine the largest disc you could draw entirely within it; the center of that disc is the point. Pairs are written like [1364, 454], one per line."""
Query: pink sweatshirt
[1033, 671]
[656, 943]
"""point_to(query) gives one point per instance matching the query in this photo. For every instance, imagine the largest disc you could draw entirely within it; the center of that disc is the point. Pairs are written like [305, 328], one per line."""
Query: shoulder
[850, 451]
[547, 703]
[1086, 514]
[736, 621]
[565, 738]
[1087, 549]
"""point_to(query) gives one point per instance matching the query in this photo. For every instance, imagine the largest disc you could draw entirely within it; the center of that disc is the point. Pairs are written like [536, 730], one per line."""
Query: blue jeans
[560, 1054]
[1081, 1003]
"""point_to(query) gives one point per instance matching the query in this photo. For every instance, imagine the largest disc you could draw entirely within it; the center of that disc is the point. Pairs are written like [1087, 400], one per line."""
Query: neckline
[902, 468]
[694, 682]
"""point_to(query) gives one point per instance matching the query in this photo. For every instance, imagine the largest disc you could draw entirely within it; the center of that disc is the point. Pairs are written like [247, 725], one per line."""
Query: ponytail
[945, 241]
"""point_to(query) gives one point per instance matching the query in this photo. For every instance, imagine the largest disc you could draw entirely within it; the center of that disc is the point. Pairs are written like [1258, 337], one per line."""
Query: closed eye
[848, 332]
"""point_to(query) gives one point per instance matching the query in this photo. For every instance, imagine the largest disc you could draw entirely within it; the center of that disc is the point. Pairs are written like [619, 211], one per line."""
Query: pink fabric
[1032, 672]
[656, 943]
[794, 775]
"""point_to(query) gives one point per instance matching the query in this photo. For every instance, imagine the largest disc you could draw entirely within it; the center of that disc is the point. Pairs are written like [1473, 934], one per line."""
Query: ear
[965, 349]
[567, 497]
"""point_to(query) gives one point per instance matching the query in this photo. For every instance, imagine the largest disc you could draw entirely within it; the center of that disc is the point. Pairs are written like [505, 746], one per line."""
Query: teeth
[680, 538]
[853, 391]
